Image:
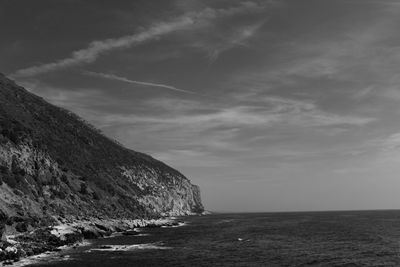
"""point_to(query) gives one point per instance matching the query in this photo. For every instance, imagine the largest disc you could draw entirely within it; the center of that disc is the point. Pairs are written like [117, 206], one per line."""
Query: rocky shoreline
[70, 234]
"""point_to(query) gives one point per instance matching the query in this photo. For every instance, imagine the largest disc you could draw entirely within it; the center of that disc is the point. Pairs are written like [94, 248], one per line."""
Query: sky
[267, 105]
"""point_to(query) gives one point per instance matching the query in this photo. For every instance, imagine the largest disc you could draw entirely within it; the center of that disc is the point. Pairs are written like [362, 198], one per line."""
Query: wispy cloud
[386, 147]
[98, 48]
[299, 112]
[270, 110]
[238, 38]
[149, 84]
[390, 143]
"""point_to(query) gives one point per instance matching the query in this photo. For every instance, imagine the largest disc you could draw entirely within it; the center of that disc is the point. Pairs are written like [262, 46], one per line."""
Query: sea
[336, 238]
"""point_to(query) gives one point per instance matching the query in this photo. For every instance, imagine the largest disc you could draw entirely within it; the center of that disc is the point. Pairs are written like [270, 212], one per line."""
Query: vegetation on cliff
[54, 165]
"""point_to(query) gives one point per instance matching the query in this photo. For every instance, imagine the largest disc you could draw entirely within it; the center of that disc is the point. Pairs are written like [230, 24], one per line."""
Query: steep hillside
[52, 163]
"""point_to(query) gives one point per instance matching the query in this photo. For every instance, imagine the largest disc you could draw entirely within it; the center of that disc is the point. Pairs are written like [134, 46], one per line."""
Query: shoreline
[70, 235]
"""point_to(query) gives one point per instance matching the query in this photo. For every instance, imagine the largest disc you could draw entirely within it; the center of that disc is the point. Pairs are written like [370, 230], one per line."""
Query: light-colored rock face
[14, 160]
[175, 197]
[54, 164]
[160, 193]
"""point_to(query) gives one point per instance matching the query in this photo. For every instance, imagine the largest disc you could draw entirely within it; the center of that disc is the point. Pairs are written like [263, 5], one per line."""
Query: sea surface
[342, 238]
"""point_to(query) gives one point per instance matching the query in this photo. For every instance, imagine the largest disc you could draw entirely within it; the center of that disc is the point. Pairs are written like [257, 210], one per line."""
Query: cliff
[55, 165]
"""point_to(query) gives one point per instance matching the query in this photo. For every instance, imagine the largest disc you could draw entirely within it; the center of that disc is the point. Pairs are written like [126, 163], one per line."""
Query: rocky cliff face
[53, 164]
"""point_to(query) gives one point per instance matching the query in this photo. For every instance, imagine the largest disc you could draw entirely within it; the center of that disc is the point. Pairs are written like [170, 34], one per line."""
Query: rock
[108, 233]
[91, 234]
[73, 238]
[2, 232]
[102, 227]
[105, 247]
[52, 237]
[17, 219]
[10, 254]
[130, 232]
[11, 250]
[3, 220]
[118, 229]
[153, 225]
[103, 230]
[21, 227]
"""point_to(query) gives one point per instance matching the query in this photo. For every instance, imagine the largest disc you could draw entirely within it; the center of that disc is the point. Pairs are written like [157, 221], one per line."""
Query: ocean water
[345, 238]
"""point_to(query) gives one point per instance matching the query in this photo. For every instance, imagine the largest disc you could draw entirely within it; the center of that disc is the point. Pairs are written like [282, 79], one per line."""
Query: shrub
[58, 194]
[83, 189]
[64, 179]
[95, 196]
[10, 180]
[3, 169]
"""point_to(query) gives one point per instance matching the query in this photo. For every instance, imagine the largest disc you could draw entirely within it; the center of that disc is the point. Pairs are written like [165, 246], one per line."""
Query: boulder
[130, 232]
[91, 234]
[21, 227]
[3, 220]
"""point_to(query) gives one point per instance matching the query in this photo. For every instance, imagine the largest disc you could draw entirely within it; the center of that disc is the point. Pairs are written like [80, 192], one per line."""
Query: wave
[129, 247]
[174, 226]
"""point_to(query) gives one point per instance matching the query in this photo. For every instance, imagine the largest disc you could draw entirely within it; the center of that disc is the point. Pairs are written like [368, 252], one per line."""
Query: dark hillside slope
[53, 163]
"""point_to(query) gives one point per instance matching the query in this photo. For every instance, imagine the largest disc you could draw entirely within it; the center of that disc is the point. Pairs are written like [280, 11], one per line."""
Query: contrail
[123, 79]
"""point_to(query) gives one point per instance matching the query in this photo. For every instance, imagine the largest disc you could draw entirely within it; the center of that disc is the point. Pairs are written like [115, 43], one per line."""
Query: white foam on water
[48, 256]
[41, 258]
[142, 235]
[174, 226]
[129, 247]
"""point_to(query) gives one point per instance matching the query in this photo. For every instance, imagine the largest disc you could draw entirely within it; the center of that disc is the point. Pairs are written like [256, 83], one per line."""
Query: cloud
[185, 157]
[98, 48]
[363, 93]
[268, 111]
[391, 143]
[238, 38]
[299, 112]
[123, 79]
[363, 56]
[385, 148]
[381, 152]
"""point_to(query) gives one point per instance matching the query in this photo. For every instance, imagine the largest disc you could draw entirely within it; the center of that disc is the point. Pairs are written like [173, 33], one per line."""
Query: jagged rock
[3, 220]
[153, 226]
[102, 227]
[130, 232]
[51, 238]
[91, 234]
[105, 247]
[72, 238]
[21, 227]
